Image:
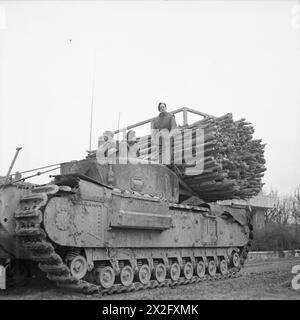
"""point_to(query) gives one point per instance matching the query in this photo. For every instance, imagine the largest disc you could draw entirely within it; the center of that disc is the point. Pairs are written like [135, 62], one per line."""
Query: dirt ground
[258, 280]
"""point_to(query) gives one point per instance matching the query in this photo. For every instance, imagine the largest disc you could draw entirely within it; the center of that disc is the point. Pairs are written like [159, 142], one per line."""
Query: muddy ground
[258, 280]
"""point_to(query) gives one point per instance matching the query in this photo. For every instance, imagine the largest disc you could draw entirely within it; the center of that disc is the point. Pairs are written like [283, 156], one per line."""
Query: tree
[296, 207]
[281, 230]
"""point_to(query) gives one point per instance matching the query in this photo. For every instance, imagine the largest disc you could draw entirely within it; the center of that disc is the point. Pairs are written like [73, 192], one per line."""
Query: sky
[213, 56]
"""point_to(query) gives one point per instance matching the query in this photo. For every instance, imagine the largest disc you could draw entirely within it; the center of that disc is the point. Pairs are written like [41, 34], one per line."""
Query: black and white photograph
[149, 151]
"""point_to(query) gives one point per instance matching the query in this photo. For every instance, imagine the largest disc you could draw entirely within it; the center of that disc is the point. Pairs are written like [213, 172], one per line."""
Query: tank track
[29, 229]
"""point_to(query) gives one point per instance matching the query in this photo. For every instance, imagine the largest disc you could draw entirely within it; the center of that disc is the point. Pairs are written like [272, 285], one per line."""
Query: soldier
[107, 136]
[107, 148]
[165, 120]
[131, 138]
[163, 128]
[132, 146]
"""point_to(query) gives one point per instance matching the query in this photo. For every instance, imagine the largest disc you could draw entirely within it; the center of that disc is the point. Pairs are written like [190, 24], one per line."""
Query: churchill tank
[117, 227]
[91, 236]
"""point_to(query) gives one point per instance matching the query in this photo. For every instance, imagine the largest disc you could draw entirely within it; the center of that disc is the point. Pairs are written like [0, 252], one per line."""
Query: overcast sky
[212, 56]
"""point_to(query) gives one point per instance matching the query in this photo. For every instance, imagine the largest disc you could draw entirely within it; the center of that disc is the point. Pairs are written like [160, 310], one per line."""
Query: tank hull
[119, 220]
[118, 234]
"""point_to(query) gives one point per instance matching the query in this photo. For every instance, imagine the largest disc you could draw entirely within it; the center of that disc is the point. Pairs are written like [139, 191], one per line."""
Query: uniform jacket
[165, 120]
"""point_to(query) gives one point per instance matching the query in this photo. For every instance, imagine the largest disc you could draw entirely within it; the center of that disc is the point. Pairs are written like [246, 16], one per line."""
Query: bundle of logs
[233, 162]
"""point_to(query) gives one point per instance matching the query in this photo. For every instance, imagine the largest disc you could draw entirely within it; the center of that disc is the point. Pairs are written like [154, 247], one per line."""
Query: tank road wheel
[188, 270]
[175, 271]
[223, 267]
[212, 268]
[235, 260]
[106, 277]
[78, 267]
[200, 269]
[160, 272]
[144, 274]
[126, 276]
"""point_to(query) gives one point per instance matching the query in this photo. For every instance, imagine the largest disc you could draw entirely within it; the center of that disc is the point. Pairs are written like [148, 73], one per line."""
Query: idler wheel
[188, 270]
[212, 268]
[223, 267]
[200, 269]
[160, 272]
[78, 267]
[144, 274]
[175, 271]
[127, 276]
[106, 277]
[235, 260]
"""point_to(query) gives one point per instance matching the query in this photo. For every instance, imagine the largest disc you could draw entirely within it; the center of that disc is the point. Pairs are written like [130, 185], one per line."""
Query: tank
[118, 227]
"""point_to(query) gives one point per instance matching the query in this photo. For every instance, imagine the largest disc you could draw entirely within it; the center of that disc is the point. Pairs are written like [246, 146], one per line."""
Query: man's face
[131, 136]
[162, 108]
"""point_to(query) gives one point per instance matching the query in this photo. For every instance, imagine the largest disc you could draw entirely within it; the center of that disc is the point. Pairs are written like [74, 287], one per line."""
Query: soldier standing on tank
[164, 120]
[163, 125]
